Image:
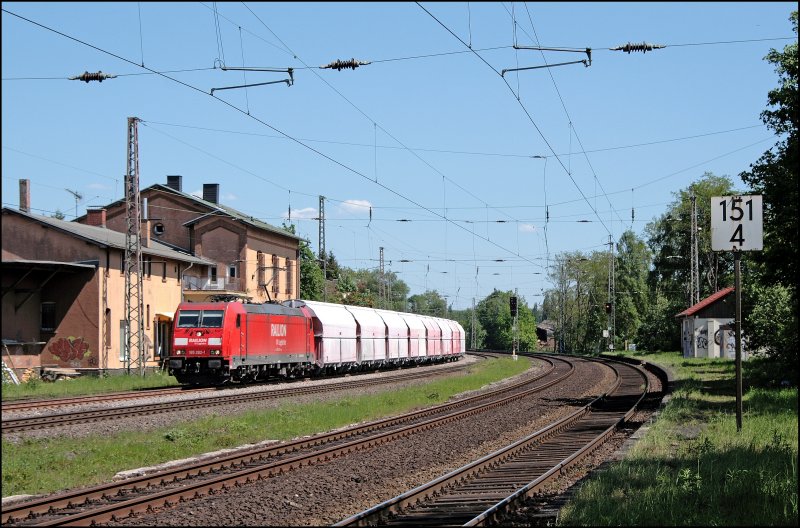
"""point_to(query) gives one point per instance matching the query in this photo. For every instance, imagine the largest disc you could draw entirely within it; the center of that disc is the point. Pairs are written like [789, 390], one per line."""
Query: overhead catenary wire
[564, 106]
[525, 110]
[374, 145]
[365, 115]
[370, 119]
[251, 116]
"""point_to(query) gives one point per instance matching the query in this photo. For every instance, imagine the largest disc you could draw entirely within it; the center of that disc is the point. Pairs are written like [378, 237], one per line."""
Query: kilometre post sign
[736, 223]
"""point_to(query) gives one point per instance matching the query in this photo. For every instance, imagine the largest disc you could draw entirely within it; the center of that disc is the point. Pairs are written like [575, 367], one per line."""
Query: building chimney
[146, 233]
[25, 196]
[96, 217]
[211, 192]
[175, 182]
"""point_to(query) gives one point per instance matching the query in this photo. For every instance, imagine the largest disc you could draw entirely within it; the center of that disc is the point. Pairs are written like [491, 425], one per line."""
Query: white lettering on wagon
[278, 330]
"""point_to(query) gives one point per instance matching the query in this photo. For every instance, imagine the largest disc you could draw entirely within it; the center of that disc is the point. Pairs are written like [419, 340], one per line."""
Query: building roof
[104, 237]
[51, 264]
[708, 301]
[216, 208]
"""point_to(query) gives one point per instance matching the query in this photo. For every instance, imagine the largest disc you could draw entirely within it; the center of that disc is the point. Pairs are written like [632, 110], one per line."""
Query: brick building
[252, 259]
[63, 301]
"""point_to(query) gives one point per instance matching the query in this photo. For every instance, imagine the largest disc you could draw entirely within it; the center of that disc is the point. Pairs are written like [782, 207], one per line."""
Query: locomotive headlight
[214, 352]
[179, 352]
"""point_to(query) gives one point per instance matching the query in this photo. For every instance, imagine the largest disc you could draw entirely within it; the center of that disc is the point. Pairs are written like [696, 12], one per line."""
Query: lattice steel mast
[694, 286]
[322, 255]
[611, 294]
[134, 335]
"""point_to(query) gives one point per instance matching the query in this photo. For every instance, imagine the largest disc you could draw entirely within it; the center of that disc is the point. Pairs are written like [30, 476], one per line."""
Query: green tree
[669, 238]
[464, 317]
[657, 330]
[631, 268]
[428, 303]
[775, 174]
[494, 314]
[576, 304]
[311, 277]
[772, 323]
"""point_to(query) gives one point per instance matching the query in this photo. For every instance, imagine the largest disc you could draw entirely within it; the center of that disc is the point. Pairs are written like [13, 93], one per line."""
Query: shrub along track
[105, 502]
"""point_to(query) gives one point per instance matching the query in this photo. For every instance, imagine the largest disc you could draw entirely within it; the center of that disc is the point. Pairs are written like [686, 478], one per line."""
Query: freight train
[221, 342]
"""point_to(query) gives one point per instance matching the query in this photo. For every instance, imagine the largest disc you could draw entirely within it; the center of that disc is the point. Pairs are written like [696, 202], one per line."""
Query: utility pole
[134, 335]
[563, 281]
[78, 196]
[694, 286]
[381, 285]
[473, 337]
[322, 255]
[515, 327]
[611, 294]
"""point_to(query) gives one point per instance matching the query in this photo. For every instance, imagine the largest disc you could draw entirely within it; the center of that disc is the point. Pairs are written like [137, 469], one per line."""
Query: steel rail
[25, 404]
[10, 425]
[487, 480]
[74, 498]
[22, 405]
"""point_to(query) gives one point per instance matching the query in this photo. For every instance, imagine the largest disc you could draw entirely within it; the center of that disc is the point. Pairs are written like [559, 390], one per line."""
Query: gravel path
[326, 493]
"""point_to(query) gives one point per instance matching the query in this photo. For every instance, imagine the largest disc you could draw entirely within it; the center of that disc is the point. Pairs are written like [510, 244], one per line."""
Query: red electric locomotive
[217, 342]
[229, 341]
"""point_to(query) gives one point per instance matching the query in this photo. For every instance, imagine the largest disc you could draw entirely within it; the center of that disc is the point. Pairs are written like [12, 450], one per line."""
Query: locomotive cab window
[211, 319]
[189, 319]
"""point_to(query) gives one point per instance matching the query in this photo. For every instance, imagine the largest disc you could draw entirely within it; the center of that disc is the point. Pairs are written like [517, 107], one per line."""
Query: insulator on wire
[98, 76]
[340, 65]
[644, 47]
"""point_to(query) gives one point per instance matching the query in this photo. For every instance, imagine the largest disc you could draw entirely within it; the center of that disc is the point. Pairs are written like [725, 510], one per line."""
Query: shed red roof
[711, 299]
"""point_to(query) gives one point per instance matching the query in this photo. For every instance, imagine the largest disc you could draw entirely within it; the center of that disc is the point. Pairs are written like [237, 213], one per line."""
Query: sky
[469, 176]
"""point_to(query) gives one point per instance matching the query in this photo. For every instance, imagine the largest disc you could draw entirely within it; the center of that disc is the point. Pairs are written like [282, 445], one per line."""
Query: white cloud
[527, 228]
[355, 206]
[299, 214]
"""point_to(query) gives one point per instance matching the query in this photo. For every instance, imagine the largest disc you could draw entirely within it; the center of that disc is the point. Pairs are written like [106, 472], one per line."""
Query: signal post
[737, 225]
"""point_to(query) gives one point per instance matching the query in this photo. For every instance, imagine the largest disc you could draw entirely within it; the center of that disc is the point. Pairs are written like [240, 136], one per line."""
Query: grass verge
[36, 388]
[47, 465]
[692, 467]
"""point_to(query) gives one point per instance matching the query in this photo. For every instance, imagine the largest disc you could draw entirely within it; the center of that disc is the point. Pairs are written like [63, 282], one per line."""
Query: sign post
[737, 225]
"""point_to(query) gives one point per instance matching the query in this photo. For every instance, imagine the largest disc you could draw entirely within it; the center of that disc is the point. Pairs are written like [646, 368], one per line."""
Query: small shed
[707, 327]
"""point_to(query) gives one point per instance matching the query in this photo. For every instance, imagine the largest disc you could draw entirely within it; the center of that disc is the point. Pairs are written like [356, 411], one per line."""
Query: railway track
[30, 404]
[483, 491]
[117, 500]
[13, 425]
[27, 405]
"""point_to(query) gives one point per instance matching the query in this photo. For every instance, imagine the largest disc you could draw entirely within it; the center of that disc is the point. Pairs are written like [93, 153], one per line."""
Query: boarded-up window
[289, 278]
[147, 264]
[48, 316]
[275, 289]
[261, 269]
[107, 328]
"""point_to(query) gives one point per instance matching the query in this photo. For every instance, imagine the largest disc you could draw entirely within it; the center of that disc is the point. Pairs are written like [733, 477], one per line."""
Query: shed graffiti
[71, 349]
[702, 338]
